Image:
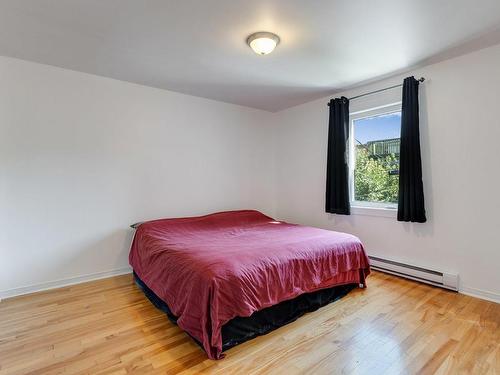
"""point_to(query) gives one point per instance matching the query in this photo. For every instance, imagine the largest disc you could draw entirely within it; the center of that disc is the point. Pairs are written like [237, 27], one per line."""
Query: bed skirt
[241, 329]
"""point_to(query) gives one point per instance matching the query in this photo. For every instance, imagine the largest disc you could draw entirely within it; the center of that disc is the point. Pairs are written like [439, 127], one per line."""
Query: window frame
[365, 207]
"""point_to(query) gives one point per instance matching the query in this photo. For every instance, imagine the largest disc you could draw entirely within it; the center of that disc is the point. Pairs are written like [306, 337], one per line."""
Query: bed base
[241, 329]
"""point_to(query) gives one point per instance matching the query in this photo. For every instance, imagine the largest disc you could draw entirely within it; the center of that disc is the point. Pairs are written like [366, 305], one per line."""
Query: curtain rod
[421, 79]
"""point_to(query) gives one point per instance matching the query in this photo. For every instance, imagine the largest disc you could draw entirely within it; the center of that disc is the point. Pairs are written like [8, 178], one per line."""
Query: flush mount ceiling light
[263, 42]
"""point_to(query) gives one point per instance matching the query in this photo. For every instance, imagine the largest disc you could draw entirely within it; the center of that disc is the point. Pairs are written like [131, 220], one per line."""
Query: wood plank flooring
[395, 326]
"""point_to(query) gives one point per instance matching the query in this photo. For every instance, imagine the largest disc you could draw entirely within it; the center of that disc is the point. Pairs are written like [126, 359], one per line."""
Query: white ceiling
[198, 46]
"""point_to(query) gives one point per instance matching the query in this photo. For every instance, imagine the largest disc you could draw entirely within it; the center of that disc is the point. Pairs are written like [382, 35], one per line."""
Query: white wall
[460, 136]
[82, 157]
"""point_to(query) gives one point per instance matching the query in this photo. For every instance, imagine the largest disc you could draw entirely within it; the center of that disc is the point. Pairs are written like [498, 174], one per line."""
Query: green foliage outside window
[373, 179]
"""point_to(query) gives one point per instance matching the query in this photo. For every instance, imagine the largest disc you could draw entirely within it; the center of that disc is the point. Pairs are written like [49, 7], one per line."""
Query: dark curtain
[337, 174]
[411, 190]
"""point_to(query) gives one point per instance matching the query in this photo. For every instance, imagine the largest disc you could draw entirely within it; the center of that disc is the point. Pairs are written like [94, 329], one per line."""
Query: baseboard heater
[433, 277]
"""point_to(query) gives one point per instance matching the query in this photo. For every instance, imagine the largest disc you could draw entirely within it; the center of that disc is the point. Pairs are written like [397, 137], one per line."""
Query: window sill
[375, 211]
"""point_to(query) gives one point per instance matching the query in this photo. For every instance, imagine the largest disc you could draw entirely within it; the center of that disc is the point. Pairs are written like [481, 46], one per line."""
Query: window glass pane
[376, 147]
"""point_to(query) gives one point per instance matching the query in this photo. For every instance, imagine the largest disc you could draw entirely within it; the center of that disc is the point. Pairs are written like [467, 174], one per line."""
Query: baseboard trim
[9, 293]
[482, 294]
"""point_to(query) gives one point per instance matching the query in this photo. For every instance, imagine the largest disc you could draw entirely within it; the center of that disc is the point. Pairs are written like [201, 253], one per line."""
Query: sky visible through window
[376, 168]
[377, 128]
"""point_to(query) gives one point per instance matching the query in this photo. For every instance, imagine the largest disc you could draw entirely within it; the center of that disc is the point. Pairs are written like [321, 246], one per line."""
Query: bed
[227, 277]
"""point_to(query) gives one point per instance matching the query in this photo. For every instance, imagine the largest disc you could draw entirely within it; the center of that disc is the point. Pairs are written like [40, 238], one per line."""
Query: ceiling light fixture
[263, 42]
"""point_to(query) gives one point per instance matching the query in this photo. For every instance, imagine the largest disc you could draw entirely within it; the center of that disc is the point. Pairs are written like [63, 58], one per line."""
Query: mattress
[214, 268]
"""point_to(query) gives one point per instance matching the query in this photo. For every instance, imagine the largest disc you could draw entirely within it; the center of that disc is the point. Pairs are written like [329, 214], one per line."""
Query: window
[374, 157]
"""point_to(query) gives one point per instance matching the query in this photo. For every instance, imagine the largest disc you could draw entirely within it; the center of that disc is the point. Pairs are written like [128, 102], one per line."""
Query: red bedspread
[212, 268]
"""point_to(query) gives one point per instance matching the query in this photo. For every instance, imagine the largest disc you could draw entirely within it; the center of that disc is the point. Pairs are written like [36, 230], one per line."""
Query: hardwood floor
[394, 326]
